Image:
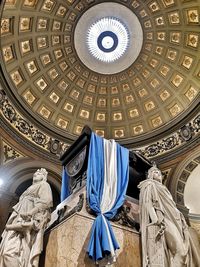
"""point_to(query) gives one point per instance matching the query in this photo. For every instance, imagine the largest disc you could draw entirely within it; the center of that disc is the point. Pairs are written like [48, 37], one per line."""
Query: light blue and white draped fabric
[107, 180]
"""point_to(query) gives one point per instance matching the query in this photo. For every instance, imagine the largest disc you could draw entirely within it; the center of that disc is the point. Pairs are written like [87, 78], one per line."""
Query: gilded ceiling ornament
[138, 129]
[25, 24]
[41, 83]
[78, 129]
[156, 122]
[45, 112]
[101, 116]
[5, 25]
[100, 132]
[10, 153]
[84, 114]
[174, 18]
[164, 95]
[175, 110]
[68, 107]
[154, 6]
[25, 46]
[119, 133]
[16, 77]
[29, 97]
[129, 99]
[62, 123]
[192, 40]
[191, 93]
[7, 53]
[193, 16]
[133, 113]
[54, 97]
[117, 116]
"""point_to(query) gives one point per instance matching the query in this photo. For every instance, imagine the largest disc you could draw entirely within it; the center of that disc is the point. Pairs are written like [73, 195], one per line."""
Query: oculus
[108, 39]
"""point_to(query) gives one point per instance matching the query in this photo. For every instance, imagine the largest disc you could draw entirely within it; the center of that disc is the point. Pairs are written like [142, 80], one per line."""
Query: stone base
[65, 245]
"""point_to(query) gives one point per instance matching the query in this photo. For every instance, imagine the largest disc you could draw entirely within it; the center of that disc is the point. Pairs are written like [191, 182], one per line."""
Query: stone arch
[180, 177]
[20, 172]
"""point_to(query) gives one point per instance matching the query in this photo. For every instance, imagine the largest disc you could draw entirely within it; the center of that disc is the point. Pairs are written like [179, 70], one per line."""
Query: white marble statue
[22, 239]
[166, 238]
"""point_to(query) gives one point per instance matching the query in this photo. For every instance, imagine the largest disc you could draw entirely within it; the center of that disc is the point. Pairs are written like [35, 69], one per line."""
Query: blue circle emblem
[107, 37]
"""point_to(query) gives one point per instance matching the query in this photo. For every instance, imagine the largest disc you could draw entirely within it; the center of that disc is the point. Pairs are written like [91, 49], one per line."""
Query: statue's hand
[161, 231]
[26, 216]
[157, 222]
[152, 223]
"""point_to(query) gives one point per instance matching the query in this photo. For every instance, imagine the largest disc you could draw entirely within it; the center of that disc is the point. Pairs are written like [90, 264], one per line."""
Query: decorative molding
[64, 213]
[166, 175]
[76, 164]
[10, 153]
[27, 129]
[25, 142]
[171, 142]
[123, 217]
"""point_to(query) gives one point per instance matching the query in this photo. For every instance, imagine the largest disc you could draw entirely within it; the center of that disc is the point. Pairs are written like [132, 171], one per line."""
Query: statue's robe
[22, 246]
[168, 240]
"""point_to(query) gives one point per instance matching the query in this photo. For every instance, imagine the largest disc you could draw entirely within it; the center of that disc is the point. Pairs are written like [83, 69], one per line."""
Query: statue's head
[40, 175]
[155, 174]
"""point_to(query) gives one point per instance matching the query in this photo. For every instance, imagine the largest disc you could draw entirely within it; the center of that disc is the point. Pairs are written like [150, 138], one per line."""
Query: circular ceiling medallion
[108, 38]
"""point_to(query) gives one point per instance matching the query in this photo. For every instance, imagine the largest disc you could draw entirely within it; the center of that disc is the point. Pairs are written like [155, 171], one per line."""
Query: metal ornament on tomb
[74, 167]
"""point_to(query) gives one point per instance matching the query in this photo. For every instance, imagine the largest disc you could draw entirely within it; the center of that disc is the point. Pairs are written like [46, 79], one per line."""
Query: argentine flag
[107, 180]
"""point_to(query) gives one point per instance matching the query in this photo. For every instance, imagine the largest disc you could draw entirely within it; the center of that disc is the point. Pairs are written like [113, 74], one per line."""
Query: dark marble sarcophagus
[75, 161]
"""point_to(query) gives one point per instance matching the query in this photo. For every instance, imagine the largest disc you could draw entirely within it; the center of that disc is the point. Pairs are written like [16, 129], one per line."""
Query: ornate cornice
[45, 143]
[27, 134]
[183, 137]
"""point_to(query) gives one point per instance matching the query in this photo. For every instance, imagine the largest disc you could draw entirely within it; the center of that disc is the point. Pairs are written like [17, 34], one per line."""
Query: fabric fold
[107, 180]
[65, 191]
[102, 240]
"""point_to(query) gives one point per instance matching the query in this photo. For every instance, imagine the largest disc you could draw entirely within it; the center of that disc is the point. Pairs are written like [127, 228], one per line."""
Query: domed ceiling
[61, 83]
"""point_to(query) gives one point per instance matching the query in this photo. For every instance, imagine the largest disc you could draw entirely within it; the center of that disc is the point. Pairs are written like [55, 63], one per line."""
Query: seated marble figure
[166, 238]
[22, 239]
